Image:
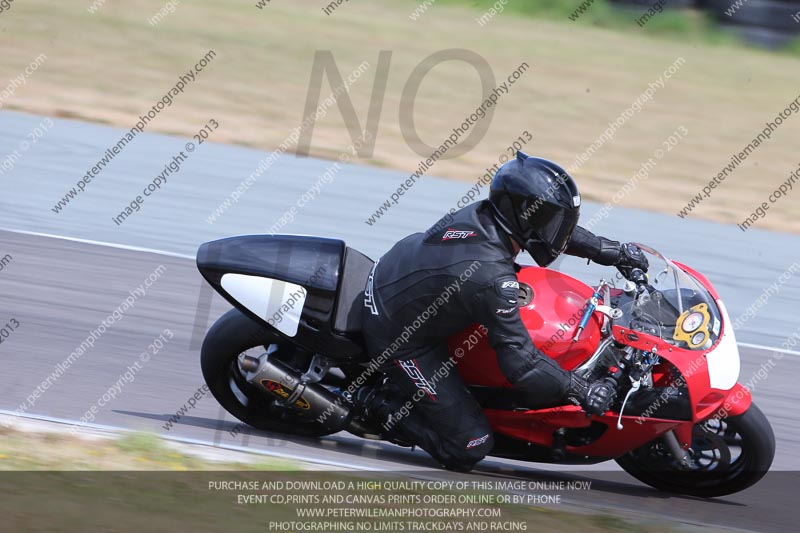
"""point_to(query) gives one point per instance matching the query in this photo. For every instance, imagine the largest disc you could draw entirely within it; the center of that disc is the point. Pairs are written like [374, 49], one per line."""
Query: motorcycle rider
[469, 258]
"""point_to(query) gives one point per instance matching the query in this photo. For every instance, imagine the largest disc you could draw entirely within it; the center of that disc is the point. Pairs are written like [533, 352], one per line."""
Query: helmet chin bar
[531, 244]
[540, 252]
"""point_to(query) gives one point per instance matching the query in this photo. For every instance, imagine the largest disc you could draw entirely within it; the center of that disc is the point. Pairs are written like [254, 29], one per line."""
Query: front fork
[679, 439]
[678, 452]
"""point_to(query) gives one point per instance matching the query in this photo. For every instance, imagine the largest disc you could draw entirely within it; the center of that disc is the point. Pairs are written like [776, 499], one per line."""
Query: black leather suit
[432, 285]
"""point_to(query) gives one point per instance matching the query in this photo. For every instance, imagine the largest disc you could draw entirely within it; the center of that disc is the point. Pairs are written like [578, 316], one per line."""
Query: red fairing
[551, 318]
[538, 427]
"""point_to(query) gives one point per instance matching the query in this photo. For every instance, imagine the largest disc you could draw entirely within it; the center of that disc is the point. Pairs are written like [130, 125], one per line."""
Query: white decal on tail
[279, 303]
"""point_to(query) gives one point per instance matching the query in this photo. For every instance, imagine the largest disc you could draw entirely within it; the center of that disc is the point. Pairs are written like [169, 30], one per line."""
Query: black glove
[626, 257]
[600, 396]
[630, 258]
[594, 398]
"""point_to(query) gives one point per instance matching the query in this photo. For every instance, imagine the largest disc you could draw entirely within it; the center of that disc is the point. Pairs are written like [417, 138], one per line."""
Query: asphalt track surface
[59, 290]
[740, 264]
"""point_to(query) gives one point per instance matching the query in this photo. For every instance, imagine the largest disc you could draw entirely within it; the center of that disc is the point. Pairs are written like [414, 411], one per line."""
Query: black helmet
[538, 204]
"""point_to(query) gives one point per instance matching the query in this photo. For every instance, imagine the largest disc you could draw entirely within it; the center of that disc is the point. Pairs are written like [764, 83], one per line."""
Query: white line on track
[767, 348]
[186, 256]
[199, 442]
[505, 471]
[100, 243]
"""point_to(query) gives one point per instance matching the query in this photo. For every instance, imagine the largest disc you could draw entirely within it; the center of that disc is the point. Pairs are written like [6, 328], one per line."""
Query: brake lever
[635, 384]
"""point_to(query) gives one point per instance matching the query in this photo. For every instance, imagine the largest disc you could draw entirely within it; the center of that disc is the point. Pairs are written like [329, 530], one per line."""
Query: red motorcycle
[290, 358]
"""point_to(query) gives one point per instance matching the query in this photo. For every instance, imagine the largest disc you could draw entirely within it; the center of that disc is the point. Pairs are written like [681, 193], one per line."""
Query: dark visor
[553, 225]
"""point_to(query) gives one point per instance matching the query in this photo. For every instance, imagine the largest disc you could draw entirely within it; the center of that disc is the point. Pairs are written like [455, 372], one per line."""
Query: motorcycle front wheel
[728, 455]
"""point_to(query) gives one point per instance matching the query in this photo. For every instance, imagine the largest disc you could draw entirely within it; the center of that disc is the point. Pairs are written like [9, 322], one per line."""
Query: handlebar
[638, 277]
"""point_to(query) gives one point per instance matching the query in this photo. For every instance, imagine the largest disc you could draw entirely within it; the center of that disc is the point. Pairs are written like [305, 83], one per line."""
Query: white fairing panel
[723, 361]
[279, 303]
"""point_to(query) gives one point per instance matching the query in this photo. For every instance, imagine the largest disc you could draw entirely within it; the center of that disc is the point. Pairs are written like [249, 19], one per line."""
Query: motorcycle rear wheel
[232, 335]
[728, 455]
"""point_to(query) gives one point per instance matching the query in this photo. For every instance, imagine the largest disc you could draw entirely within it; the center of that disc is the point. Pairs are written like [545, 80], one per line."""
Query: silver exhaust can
[312, 400]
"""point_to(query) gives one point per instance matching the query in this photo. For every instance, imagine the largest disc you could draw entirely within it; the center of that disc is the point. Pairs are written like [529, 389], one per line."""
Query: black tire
[231, 335]
[653, 465]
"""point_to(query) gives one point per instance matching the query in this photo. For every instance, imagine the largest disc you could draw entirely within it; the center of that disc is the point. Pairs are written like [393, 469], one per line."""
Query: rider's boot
[382, 405]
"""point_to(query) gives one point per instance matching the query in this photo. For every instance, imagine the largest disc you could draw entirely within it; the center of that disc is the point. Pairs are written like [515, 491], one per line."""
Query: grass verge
[112, 66]
[137, 482]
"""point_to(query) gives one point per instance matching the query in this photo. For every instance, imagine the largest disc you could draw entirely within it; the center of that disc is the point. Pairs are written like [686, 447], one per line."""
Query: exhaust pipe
[312, 399]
